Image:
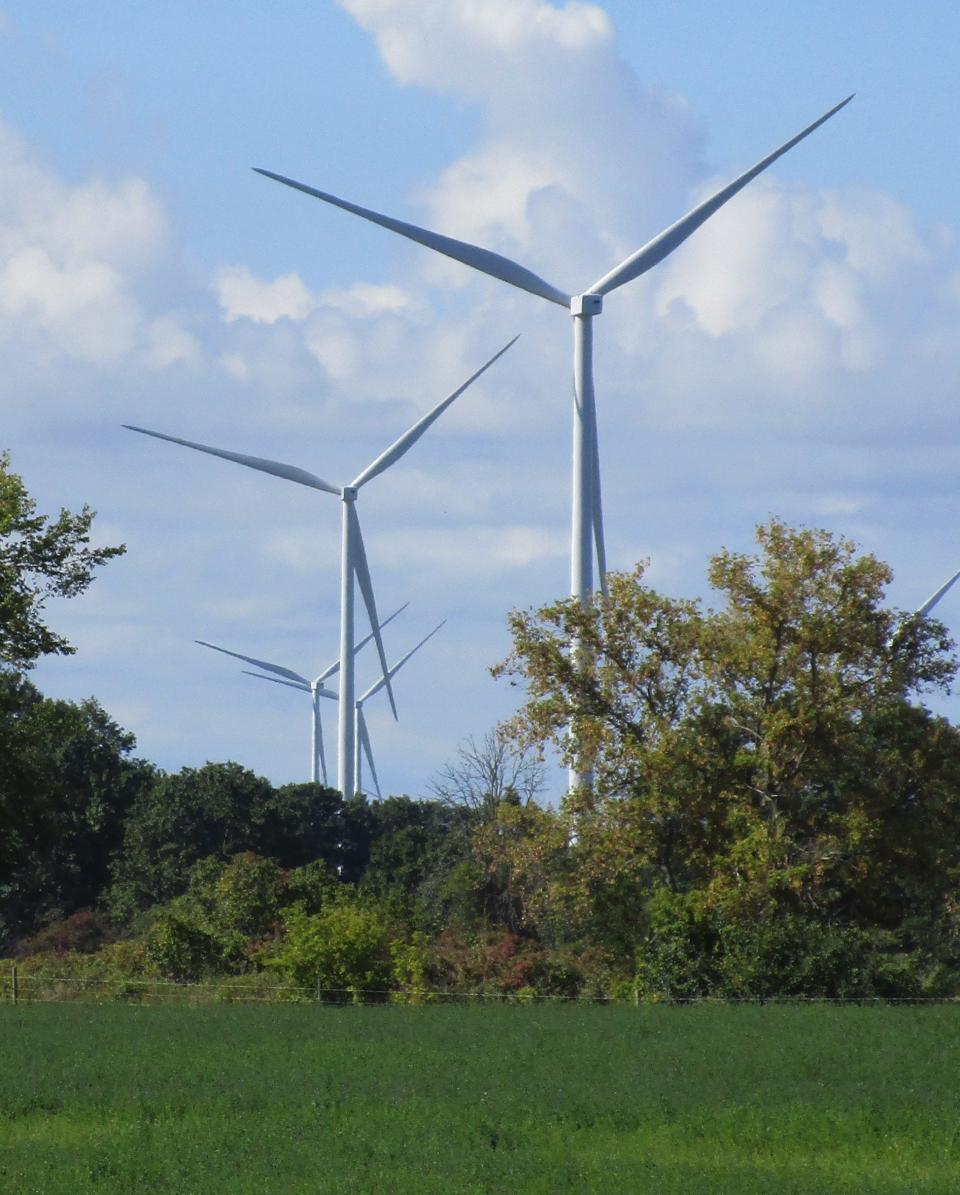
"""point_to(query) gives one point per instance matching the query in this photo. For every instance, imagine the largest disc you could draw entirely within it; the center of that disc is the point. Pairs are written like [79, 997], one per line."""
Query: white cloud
[242, 296]
[75, 265]
[473, 549]
[466, 45]
[367, 300]
[169, 343]
[83, 308]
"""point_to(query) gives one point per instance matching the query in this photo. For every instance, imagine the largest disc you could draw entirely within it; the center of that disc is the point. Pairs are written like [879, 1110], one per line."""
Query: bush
[84, 932]
[341, 953]
[766, 950]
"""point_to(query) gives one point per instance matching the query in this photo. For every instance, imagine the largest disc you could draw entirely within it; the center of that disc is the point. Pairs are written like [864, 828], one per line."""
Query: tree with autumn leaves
[774, 810]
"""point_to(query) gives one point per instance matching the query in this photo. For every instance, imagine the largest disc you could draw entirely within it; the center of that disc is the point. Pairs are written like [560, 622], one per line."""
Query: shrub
[342, 952]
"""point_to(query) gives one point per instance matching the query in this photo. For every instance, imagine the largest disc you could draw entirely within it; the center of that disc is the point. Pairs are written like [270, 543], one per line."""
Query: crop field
[287, 1098]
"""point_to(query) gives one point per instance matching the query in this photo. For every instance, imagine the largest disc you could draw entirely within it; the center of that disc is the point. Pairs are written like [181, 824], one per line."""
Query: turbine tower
[587, 508]
[315, 687]
[353, 557]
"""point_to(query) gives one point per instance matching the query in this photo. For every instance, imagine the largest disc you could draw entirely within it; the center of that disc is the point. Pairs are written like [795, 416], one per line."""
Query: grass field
[451, 1100]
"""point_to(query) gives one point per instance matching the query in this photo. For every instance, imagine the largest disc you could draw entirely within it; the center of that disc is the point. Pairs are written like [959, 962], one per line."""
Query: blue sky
[798, 357]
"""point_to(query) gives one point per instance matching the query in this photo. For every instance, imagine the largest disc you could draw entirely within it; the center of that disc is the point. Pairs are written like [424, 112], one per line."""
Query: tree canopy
[40, 558]
[765, 773]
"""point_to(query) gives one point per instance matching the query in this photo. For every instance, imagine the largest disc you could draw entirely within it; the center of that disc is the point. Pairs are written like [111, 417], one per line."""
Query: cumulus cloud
[243, 296]
[467, 45]
[74, 260]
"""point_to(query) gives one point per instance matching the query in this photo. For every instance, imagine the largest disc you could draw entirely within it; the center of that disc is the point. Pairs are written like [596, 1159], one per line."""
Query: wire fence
[44, 988]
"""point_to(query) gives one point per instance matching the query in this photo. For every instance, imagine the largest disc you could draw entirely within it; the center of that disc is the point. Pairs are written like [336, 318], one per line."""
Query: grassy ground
[451, 1100]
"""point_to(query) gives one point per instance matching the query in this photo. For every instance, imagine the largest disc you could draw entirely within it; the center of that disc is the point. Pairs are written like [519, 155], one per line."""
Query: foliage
[66, 784]
[83, 932]
[39, 559]
[771, 811]
[342, 952]
[219, 810]
[230, 912]
[411, 969]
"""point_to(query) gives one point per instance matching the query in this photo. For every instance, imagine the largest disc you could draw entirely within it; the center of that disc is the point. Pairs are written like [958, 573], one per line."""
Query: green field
[284, 1098]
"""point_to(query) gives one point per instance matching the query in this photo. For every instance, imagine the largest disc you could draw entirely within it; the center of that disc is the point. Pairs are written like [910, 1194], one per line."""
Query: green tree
[768, 788]
[344, 950]
[67, 784]
[39, 559]
[218, 811]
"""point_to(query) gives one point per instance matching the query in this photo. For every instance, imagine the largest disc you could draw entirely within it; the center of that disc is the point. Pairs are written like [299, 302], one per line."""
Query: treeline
[773, 811]
[111, 868]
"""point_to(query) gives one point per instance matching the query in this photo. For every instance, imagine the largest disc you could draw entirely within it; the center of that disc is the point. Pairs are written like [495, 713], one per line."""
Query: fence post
[636, 997]
[14, 988]
[318, 990]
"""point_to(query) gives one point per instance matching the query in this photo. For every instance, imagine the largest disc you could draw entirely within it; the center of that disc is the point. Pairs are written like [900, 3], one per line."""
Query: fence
[25, 988]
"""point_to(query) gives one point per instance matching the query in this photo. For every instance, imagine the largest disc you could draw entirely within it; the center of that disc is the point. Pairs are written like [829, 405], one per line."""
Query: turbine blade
[267, 667]
[362, 571]
[375, 688]
[277, 468]
[932, 600]
[471, 255]
[598, 514]
[293, 684]
[668, 240]
[367, 749]
[335, 666]
[409, 438]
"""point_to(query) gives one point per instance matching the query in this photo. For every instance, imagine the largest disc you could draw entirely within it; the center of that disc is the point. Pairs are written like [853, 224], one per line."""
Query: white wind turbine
[353, 557]
[587, 512]
[362, 741]
[363, 735]
[315, 687]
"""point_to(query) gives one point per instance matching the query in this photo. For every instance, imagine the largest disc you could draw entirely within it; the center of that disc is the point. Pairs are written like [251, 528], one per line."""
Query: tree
[219, 810]
[483, 774]
[39, 559]
[67, 783]
[763, 767]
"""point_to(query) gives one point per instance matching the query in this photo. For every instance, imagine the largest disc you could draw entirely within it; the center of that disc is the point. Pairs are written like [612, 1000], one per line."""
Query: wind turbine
[353, 557]
[587, 507]
[363, 735]
[315, 687]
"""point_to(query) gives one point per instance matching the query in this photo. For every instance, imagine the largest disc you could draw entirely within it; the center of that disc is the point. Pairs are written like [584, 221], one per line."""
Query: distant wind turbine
[315, 687]
[587, 512]
[353, 557]
[363, 736]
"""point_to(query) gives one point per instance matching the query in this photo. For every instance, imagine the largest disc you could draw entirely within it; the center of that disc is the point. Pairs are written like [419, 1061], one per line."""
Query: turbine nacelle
[586, 304]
